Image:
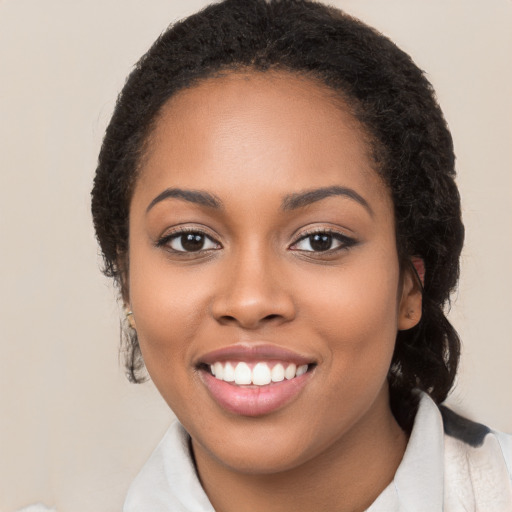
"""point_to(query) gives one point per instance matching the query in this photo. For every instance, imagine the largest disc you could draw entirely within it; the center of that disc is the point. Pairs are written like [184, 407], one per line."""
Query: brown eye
[191, 242]
[320, 242]
[323, 241]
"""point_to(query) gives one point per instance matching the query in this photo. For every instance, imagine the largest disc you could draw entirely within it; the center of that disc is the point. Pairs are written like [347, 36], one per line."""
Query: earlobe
[128, 313]
[410, 307]
[125, 293]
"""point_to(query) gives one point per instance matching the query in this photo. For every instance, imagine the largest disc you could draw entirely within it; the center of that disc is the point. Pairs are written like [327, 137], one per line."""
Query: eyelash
[176, 235]
[345, 241]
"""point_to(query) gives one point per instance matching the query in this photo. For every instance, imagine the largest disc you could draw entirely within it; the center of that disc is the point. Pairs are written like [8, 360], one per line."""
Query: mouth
[261, 373]
[254, 380]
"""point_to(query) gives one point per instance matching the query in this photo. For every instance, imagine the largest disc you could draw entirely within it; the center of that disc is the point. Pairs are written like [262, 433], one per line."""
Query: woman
[275, 197]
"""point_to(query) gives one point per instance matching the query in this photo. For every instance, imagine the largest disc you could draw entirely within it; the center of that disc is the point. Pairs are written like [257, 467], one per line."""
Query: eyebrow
[192, 196]
[290, 202]
[294, 201]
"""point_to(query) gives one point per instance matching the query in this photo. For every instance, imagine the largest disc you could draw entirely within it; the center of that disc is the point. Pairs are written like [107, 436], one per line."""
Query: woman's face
[262, 244]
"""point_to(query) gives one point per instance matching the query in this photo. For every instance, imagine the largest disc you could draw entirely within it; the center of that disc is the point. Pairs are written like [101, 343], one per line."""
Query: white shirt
[451, 464]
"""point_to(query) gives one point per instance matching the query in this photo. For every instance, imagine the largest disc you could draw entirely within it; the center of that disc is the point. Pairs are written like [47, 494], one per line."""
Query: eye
[189, 241]
[322, 241]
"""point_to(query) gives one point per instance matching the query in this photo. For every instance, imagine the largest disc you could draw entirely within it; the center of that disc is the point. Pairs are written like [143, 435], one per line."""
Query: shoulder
[477, 464]
[466, 431]
[505, 442]
[475, 435]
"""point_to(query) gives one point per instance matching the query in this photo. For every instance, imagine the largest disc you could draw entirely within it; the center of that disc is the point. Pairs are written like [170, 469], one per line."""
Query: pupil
[192, 241]
[320, 242]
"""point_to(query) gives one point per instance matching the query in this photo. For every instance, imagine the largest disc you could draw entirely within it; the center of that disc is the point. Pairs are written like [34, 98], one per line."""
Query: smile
[262, 373]
[255, 380]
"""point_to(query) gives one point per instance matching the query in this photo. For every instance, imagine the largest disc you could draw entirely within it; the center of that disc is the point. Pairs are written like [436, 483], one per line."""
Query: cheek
[355, 310]
[167, 306]
[356, 319]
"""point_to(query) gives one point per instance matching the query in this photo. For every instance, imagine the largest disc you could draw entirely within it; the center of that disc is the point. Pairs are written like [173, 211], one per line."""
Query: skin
[251, 140]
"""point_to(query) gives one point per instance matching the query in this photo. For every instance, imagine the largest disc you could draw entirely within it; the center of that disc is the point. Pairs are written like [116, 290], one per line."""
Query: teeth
[242, 373]
[289, 373]
[229, 373]
[260, 375]
[218, 370]
[277, 373]
[301, 370]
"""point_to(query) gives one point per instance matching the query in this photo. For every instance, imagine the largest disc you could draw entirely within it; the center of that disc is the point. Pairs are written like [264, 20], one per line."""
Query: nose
[254, 293]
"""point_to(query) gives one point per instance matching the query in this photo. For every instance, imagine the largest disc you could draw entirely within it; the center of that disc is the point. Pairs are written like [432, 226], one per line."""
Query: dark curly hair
[389, 95]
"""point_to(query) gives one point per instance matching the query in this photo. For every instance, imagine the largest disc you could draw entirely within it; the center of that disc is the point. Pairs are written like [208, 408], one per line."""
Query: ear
[409, 308]
[125, 295]
[122, 268]
[129, 316]
[127, 307]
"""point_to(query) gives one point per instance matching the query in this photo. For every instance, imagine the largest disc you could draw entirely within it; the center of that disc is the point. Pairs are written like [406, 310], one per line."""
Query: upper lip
[253, 352]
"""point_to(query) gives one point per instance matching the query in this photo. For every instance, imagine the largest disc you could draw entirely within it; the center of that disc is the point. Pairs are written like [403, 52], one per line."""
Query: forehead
[244, 131]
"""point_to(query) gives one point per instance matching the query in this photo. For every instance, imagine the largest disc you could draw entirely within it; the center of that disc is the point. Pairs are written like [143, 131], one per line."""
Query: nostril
[254, 310]
[248, 322]
[228, 318]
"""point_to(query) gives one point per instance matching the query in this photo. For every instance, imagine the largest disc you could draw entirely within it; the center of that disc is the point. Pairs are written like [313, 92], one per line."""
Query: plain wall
[73, 431]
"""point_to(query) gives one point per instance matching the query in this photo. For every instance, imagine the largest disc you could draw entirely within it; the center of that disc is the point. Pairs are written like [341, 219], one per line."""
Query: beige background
[73, 431]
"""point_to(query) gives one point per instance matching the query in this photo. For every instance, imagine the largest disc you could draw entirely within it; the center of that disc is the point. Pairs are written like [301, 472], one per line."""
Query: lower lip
[254, 400]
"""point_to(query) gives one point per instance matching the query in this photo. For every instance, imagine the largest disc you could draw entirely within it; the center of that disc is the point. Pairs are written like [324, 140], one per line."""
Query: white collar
[418, 484]
[168, 481]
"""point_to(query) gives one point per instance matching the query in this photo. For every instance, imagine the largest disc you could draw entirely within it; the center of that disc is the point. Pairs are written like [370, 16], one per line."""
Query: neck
[347, 477]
